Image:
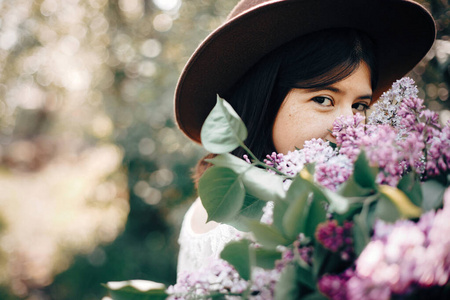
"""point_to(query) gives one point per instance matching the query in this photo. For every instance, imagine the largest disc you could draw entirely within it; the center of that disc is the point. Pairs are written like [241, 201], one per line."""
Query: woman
[290, 68]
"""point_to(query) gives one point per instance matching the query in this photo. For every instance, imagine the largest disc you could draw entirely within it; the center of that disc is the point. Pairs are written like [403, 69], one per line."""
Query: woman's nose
[346, 111]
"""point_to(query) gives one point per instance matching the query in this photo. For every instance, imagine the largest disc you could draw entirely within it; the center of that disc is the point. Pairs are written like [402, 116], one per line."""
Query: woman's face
[310, 113]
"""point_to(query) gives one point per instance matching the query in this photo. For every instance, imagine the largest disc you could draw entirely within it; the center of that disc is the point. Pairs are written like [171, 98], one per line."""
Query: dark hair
[314, 60]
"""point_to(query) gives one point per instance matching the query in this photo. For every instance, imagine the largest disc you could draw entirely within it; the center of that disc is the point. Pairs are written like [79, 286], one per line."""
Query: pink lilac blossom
[288, 254]
[349, 131]
[332, 169]
[382, 151]
[404, 255]
[412, 149]
[379, 143]
[332, 173]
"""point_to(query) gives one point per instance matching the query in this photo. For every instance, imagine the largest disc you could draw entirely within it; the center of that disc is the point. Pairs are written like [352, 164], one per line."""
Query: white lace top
[196, 249]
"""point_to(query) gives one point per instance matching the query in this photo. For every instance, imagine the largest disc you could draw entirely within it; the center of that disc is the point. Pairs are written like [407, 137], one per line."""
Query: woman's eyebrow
[327, 88]
[366, 97]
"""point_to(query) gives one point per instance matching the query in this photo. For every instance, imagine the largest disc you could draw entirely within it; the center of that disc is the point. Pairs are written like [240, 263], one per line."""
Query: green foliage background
[139, 50]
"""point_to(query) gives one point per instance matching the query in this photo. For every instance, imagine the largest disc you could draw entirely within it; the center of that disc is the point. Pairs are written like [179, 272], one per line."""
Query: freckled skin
[310, 113]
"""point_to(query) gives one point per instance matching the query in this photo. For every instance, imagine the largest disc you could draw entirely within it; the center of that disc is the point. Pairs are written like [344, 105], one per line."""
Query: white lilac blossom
[267, 217]
[263, 284]
[220, 277]
[385, 109]
[217, 276]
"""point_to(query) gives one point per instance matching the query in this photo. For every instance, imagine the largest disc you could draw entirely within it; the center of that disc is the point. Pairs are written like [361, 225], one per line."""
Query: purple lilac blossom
[314, 151]
[336, 238]
[439, 152]
[334, 286]
[288, 254]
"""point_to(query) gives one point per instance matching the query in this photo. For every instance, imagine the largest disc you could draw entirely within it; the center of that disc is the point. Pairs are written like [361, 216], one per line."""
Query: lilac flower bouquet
[365, 218]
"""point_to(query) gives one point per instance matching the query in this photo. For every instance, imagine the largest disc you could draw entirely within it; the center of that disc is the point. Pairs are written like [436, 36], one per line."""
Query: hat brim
[403, 32]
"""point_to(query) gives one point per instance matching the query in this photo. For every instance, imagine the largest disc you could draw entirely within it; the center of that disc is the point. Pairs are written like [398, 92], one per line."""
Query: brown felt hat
[403, 32]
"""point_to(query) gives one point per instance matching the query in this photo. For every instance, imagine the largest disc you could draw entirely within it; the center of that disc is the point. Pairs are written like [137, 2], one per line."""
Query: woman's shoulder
[200, 241]
[195, 221]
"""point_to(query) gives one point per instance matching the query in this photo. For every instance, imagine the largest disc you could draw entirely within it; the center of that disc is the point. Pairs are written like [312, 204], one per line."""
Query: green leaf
[319, 257]
[238, 255]
[386, 210]
[411, 186]
[287, 288]
[305, 212]
[311, 167]
[338, 204]
[364, 174]
[354, 207]
[223, 130]
[361, 234]
[222, 193]
[351, 188]
[316, 214]
[401, 202]
[332, 145]
[432, 193]
[279, 210]
[315, 296]
[136, 290]
[267, 236]
[258, 182]
[252, 209]
[305, 277]
[297, 213]
[266, 258]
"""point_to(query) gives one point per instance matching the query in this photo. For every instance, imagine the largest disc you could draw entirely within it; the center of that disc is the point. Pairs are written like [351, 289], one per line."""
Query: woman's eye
[325, 101]
[360, 107]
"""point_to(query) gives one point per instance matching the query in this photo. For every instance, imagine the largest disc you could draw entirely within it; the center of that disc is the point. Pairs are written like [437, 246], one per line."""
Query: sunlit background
[94, 175]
